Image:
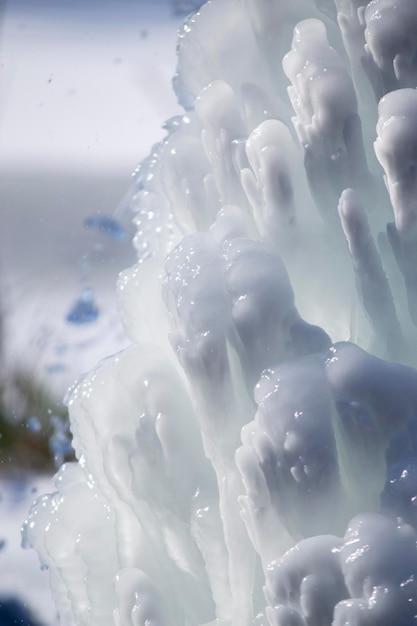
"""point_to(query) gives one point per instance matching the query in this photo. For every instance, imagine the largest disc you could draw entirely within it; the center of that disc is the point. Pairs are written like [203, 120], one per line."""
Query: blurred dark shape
[60, 440]
[26, 407]
[13, 612]
[84, 310]
[107, 225]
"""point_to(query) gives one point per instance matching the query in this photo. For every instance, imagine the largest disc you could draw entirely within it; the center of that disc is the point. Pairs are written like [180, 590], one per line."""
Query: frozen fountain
[251, 458]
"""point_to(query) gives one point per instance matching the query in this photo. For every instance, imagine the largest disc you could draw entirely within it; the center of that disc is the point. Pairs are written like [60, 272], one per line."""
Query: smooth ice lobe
[107, 225]
[396, 149]
[388, 390]
[391, 42]
[305, 585]
[326, 118]
[268, 182]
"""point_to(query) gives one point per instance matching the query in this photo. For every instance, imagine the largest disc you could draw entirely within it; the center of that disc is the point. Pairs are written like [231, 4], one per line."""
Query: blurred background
[85, 86]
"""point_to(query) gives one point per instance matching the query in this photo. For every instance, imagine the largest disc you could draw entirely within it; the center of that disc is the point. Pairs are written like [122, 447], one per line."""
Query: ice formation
[251, 459]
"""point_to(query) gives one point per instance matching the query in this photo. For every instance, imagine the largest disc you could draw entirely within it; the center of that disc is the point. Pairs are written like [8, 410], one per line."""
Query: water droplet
[55, 368]
[84, 310]
[60, 440]
[33, 424]
[173, 123]
[107, 225]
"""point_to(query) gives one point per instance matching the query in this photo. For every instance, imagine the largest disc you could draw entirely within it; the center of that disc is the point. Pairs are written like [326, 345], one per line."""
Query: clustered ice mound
[269, 395]
[367, 578]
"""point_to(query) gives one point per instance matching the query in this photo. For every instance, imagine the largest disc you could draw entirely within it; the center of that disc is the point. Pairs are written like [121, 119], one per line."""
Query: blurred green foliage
[26, 429]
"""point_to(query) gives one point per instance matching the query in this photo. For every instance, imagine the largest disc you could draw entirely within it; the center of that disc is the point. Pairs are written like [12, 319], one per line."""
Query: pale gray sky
[84, 84]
